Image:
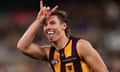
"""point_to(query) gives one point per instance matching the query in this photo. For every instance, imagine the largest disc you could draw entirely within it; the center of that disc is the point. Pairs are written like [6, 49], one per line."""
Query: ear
[64, 26]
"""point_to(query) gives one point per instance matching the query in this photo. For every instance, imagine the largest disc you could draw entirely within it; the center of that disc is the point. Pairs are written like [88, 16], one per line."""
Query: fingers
[46, 10]
[41, 4]
[54, 8]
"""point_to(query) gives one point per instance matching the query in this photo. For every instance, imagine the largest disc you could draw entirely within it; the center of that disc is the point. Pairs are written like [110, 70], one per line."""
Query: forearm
[29, 35]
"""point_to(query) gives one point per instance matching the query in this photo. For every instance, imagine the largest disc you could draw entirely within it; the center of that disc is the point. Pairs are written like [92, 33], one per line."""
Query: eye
[52, 22]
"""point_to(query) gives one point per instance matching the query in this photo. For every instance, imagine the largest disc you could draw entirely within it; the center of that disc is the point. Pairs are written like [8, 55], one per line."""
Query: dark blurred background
[95, 20]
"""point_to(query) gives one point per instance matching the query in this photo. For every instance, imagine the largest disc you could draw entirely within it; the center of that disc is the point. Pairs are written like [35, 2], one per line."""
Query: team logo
[54, 62]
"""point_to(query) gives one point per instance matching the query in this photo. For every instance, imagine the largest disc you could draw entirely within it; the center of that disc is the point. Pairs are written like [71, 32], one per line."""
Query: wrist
[40, 19]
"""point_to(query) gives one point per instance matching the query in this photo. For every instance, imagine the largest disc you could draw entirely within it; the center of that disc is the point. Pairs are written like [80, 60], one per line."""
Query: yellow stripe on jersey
[85, 67]
[57, 57]
[68, 52]
[68, 49]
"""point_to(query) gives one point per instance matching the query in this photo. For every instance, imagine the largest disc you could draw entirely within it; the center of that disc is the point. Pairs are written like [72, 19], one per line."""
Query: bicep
[95, 61]
[35, 51]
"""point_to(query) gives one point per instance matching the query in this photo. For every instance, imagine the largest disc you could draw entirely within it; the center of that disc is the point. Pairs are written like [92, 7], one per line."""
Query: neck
[61, 43]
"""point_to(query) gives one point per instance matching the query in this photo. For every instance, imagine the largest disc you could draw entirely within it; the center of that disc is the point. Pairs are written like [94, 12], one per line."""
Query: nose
[47, 26]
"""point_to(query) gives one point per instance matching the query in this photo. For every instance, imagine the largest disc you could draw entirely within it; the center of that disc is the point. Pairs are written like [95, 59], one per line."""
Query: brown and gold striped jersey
[67, 59]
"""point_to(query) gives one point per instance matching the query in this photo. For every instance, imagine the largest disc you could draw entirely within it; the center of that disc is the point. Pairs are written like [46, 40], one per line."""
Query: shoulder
[83, 43]
[84, 47]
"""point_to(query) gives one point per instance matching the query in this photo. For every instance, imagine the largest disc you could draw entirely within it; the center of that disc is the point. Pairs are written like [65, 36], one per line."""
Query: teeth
[49, 33]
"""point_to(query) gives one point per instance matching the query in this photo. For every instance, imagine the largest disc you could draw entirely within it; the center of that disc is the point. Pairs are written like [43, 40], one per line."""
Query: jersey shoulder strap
[74, 43]
[51, 53]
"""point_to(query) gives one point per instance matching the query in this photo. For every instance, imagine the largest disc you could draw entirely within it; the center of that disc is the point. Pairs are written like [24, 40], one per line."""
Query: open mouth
[50, 34]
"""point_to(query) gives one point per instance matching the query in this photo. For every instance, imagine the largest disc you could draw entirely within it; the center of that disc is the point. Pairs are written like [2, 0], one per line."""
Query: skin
[59, 40]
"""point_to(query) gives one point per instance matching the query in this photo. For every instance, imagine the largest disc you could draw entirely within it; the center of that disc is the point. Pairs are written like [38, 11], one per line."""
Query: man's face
[54, 28]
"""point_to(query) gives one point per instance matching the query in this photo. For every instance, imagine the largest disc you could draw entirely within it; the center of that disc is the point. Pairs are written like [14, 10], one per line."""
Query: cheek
[59, 29]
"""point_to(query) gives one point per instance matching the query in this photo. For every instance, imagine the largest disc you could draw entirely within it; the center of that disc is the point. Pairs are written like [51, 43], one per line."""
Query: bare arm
[26, 45]
[91, 56]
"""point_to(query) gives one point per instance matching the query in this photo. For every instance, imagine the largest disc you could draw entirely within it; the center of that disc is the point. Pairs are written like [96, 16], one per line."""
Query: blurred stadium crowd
[95, 20]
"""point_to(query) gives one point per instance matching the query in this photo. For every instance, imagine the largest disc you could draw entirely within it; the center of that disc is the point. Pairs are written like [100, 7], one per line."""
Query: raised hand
[45, 12]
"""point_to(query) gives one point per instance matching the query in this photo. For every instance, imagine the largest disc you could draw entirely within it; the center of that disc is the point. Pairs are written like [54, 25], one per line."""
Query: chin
[51, 40]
